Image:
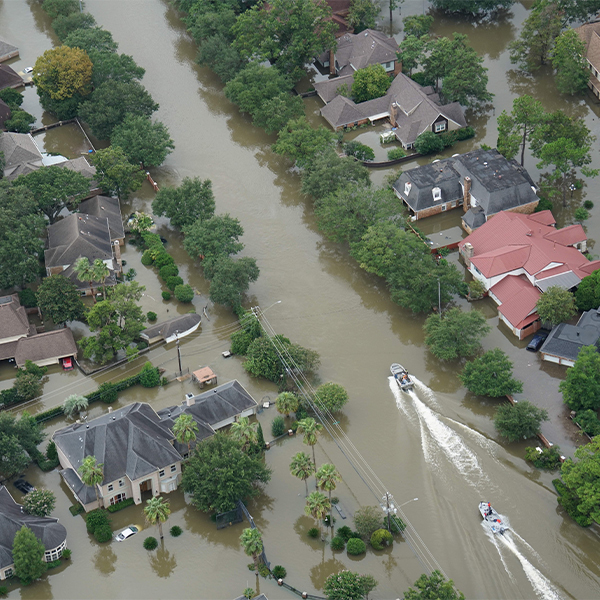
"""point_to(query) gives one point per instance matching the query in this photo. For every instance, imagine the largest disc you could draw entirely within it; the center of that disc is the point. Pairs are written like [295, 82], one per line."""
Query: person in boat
[404, 378]
[489, 510]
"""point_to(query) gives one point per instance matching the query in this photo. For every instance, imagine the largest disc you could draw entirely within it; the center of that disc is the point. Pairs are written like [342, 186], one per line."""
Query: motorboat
[402, 377]
[490, 515]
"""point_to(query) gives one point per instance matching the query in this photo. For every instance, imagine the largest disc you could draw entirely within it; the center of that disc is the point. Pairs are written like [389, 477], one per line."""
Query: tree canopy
[331, 396]
[370, 82]
[581, 386]
[64, 25]
[471, 7]
[587, 295]
[568, 58]
[347, 585]
[230, 279]
[301, 142]
[519, 421]
[28, 554]
[59, 299]
[91, 39]
[115, 174]
[417, 25]
[433, 586]
[491, 375]
[214, 237]
[219, 473]
[556, 305]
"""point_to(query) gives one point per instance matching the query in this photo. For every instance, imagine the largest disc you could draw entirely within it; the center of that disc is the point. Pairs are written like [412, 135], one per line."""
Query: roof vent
[485, 164]
[114, 418]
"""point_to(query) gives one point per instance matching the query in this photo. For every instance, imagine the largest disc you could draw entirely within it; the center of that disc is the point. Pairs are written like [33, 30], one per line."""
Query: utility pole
[439, 300]
[178, 352]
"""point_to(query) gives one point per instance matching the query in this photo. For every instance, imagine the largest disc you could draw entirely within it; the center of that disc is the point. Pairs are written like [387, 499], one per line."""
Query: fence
[230, 517]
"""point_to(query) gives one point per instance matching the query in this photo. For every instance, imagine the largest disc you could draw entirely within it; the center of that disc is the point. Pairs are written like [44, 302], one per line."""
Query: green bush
[66, 553]
[173, 281]
[51, 451]
[449, 138]
[544, 204]
[53, 564]
[103, 533]
[278, 426]
[28, 298]
[96, 518]
[396, 153]
[589, 422]
[130, 275]
[150, 543]
[147, 258]
[548, 459]
[184, 292]
[141, 345]
[429, 143]
[120, 505]
[397, 525]
[588, 205]
[344, 532]
[263, 571]
[151, 239]
[356, 546]
[301, 413]
[359, 151]
[176, 531]
[166, 295]
[313, 532]
[466, 133]
[151, 316]
[338, 543]
[381, 539]
[107, 392]
[162, 260]
[48, 465]
[569, 502]
[279, 572]
[168, 271]
[76, 509]
[3, 590]
[149, 376]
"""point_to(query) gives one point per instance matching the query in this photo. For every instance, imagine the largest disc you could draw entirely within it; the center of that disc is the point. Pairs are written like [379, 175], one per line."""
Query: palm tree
[74, 404]
[185, 430]
[286, 403]
[251, 540]
[157, 510]
[311, 429]
[97, 271]
[317, 507]
[327, 478]
[102, 272]
[302, 467]
[92, 474]
[245, 433]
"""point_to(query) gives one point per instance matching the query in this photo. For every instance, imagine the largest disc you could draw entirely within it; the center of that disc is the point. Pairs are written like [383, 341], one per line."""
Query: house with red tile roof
[517, 257]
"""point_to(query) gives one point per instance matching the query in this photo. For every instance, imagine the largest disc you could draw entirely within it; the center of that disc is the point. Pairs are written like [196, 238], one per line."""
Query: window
[407, 187]
[117, 498]
[121, 483]
[388, 66]
[161, 473]
[444, 207]
[441, 126]
[173, 468]
[8, 573]
[110, 487]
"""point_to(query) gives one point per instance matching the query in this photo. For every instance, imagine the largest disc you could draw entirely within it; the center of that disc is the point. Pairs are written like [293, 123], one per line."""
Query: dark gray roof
[83, 492]
[108, 208]
[6, 49]
[130, 441]
[328, 89]
[474, 217]
[47, 529]
[168, 328]
[567, 340]
[566, 281]
[369, 47]
[75, 236]
[71, 275]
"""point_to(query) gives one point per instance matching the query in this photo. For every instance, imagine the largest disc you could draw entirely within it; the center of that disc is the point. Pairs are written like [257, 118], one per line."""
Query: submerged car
[126, 533]
[537, 341]
[28, 70]
[23, 486]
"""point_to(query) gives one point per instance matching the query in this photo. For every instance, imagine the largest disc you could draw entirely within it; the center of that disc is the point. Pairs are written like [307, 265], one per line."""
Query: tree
[157, 510]
[95, 272]
[56, 8]
[110, 67]
[149, 375]
[288, 35]
[587, 296]
[213, 237]
[216, 53]
[286, 403]
[581, 387]
[310, 429]
[20, 227]
[64, 25]
[370, 82]
[302, 467]
[244, 433]
[251, 540]
[20, 122]
[417, 25]
[556, 305]
[362, 14]
[59, 299]
[140, 223]
[13, 458]
[12, 98]
[455, 335]
[491, 375]
[347, 585]
[111, 101]
[142, 140]
[515, 130]
[276, 112]
[358, 150]
[317, 507]
[540, 29]
[576, 10]
[301, 142]
[28, 383]
[63, 73]
[185, 430]
[218, 474]
[433, 586]
[74, 404]
[368, 583]
[115, 174]
[331, 397]
[55, 188]
[428, 143]
[367, 520]
[568, 58]
[519, 421]
[39, 502]
[230, 279]
[192, 202]
[28, 554]
[471, 7]
[327, 479]
[411, 53]
[92, 474]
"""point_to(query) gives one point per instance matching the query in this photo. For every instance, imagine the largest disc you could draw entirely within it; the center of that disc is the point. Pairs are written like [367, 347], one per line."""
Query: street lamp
[403, 504]
[268, 307]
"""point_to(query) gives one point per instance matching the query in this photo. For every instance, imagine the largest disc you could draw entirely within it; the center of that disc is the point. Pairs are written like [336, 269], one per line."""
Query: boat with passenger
[490, 515]
[402, 377]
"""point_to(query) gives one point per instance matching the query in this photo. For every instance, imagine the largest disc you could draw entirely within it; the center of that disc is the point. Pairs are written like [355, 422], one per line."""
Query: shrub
[338, 543]
[359, 151]
[166, 295]
[449, 138]
[278, 426]
[335, 500]
[3, 590]
[184, 293]
[120, 505]
[581, 214]
[263, 571]
[588, 421]
[466, 133]
[173, 281]
[130, 275]
[147, 258]
[95, 519]
[544, 204]
[53, 564]
[569, 502]
[162, 260]
[548, 458]
[344, 532]
[150, 543]
[313, 532]
[48, 465]
[395, 153]
[588, 205]
[168, 271]
[279, 572]
[51, 451]
[381, 539]
[175, 531]
[108, 392]
[367, 520]
[76, 509]
[397, 525]
[149, 376]
[28, 298]
[151, 316]
[66, 553]
[301, 413]
[151, 239]
[103, 533]
[356, 546]
[428, 143]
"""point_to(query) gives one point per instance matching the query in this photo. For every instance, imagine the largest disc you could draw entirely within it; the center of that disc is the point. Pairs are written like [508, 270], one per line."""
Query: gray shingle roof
[6, 49]
[567, 340]
[105, 207]
[328, 89]
[21, 154]
[369, 47]
[85, 493]
[474, 217]
[43, 346]
[47, 529]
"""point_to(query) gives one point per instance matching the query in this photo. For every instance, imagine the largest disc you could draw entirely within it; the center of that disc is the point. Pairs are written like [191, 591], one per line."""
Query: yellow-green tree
[63, 72]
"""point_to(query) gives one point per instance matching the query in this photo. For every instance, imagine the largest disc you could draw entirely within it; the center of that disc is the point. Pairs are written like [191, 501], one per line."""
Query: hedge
[120, 505]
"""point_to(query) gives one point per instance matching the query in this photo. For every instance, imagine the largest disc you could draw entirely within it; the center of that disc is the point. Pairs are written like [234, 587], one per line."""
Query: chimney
[189, 399]
[394, 112]
[331, 62]
[467, 194]
[467, 252]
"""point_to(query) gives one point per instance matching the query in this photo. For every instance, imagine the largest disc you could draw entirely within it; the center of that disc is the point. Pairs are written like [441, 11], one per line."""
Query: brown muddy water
[438, 445]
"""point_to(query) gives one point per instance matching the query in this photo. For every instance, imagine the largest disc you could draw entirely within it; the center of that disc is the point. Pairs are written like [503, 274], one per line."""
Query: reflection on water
[162, 561]
[104, 560]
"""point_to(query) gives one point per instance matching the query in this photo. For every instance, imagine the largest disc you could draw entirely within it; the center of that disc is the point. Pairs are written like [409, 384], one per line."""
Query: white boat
[402, 377]
[490, 515]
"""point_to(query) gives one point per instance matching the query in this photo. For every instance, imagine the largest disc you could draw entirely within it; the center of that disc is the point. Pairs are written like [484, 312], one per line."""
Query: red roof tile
[502, 260]
[518, 298]
[544, 217]
[567, 236]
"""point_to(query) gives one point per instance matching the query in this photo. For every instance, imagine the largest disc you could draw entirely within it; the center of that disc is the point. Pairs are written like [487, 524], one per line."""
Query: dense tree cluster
[491, 375]
[19, 439]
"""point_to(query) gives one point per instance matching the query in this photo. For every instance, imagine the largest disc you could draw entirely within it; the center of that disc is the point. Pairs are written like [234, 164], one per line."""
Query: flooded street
[437, 444]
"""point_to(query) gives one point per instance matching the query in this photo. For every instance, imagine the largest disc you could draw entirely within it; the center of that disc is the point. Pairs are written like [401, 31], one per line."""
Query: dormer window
[407, 187]
[437, 194]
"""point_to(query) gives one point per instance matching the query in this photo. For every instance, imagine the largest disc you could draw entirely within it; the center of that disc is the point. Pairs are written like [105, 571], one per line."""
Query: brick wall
[437, 209]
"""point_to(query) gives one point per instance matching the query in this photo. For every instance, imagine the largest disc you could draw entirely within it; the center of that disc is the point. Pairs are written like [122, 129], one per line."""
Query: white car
[126, 533]
[28, 70]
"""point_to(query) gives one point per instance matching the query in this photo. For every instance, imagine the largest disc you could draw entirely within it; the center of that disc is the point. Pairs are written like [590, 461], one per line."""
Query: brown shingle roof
[9, 78]
[590, 36]
[20, 153]
[44, 346]
[13, 319]
[369, 47]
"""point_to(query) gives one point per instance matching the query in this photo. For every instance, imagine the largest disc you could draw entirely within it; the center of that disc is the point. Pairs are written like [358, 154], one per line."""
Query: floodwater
[437, 444]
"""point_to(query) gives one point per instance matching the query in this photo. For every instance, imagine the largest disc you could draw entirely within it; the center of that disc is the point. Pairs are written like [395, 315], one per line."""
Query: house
[360, 50]
[483, 182]
[4, 113]
[565, 341]
[411, 108]
[175, 328]
[81, 235]
[137, 446]
[109, 208]
[9, 78]
[589, 33]
[47, 348]
[7, 51]
[14, 325]
[47, 530]
[517, 257]
[21, 154]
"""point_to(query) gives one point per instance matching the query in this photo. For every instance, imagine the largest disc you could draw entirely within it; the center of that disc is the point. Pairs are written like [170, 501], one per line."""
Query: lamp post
[389, 508]
[178, 352]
